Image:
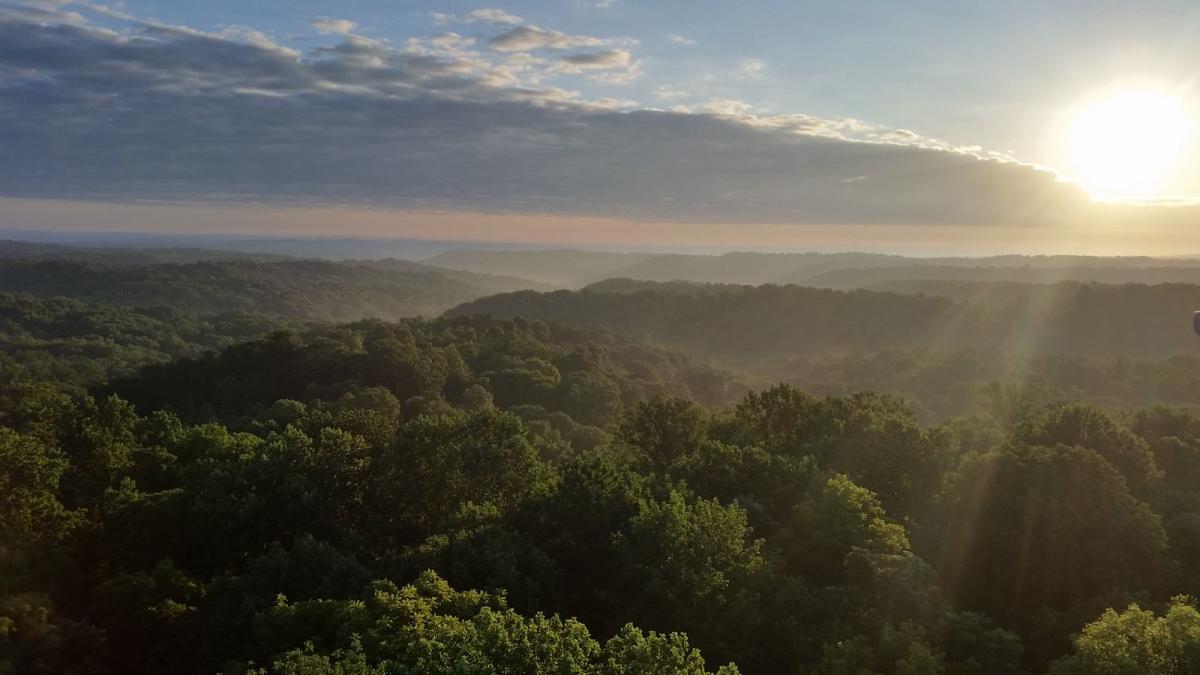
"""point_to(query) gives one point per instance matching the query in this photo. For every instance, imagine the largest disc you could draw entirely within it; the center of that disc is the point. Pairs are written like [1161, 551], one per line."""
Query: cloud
[668, 93]
[751, 68]
[256, 38]
[451, 42]
[611, 66]
[612, 58]
[727, 107]
[144, 111]
[679, 39]
[530, 38]
[324, 24]
[492, 16]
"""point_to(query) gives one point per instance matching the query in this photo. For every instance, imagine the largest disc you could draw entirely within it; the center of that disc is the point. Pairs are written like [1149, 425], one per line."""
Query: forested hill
[73, 343]
[560, 267]
[748, 325]
[484, 281]
[591, 375]
[742, 323]
[119, 255]
[304, 290]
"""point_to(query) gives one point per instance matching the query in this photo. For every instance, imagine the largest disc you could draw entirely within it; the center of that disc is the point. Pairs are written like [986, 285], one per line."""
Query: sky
[945, 127]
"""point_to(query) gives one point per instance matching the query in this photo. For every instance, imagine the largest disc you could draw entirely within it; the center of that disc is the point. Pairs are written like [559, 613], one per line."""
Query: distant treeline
[120, 255]
[757, 327]
[833, 270]
[302, 290]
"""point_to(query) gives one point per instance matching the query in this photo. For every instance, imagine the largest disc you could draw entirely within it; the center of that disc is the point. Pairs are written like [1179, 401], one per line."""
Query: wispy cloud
[492, 16]
[667, 93]
[327, 25]
[751, 68]
[530, 38]
[679, 39]
[612, 66]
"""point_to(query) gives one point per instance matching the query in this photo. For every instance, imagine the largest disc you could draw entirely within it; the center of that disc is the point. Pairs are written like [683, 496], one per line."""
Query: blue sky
[713, 113]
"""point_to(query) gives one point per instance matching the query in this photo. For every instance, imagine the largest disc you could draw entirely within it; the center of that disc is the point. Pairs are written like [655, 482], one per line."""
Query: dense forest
[295, 289]
[75, 343]
[257, 466]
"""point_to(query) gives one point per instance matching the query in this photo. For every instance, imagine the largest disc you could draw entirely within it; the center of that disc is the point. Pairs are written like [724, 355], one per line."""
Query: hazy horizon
[419, 248]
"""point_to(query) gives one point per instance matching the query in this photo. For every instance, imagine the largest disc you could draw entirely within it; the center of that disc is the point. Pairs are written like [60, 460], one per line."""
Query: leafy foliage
[1137, 641]
[482, 495]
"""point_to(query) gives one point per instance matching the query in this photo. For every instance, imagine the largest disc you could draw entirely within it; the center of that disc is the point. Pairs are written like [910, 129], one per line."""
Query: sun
[1124, 145]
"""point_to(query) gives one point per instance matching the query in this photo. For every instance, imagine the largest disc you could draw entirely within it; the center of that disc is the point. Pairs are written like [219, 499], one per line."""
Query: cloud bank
[100, 105]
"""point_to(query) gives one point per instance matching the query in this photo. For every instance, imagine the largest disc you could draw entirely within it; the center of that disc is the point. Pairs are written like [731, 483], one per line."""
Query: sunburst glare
[1126, 144]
